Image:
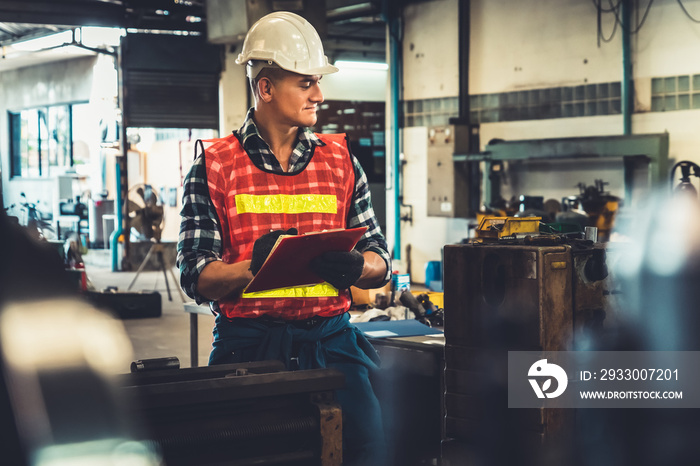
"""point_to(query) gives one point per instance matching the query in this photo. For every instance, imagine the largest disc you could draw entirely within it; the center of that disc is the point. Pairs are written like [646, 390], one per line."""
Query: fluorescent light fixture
[94, 36]
[361, 65]
[40, 43]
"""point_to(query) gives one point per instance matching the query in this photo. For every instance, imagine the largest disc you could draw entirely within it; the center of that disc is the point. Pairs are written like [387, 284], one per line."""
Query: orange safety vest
[250, 202]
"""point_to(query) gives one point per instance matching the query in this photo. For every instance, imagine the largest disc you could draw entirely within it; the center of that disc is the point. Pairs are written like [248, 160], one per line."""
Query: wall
[430, 70]
[542, 43]
[535, 44]
[430, 54]
[53, 83]
[564, 51]
[234, 93]
[355, 84]
[426, 235]
[561, 49]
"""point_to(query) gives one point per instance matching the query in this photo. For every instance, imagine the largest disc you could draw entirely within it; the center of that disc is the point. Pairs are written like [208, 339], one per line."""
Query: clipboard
[289, 261]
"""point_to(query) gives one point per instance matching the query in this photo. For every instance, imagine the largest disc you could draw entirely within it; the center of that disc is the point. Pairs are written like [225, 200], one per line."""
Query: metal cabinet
[501, 298]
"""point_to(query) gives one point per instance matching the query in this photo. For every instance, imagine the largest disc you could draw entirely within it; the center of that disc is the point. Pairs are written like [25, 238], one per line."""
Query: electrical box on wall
[448, 181]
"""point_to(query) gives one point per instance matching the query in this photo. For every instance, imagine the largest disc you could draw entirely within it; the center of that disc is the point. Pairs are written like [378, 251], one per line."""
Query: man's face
[296, 98]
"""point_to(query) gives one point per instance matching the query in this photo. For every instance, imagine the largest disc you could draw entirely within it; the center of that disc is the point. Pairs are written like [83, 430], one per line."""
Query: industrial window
[42, 140]
[430, 112]
[675, 93]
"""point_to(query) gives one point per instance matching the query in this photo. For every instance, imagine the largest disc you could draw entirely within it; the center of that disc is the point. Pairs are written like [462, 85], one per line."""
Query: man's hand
[263, 246]
[340, 269]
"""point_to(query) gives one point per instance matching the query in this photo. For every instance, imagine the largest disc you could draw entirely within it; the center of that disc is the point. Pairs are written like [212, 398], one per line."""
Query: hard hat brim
[252, 70]
[327, 69]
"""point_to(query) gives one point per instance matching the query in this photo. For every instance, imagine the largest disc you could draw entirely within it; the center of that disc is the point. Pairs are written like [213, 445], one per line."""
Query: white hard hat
[287, 40]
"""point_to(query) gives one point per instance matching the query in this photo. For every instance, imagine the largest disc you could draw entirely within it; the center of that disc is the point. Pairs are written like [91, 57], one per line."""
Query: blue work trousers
[331, 342]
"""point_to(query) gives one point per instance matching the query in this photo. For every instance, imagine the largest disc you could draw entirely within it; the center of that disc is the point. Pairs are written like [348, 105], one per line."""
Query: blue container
[433, 273]
[401, 282]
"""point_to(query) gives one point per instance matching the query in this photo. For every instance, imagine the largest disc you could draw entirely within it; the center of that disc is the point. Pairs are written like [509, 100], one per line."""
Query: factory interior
[533, 166]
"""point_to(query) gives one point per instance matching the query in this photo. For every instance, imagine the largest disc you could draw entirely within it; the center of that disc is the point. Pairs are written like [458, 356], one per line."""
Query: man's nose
[317, 95]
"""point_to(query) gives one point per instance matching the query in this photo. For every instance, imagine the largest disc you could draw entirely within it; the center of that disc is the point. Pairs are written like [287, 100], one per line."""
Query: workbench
[254, 413]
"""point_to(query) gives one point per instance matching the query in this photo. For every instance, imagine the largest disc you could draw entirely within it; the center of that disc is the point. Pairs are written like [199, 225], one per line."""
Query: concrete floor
[168, 335]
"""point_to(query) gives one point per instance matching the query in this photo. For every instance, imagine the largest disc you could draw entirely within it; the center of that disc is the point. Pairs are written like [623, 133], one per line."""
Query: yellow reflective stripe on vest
[321, 290]
[286, 203]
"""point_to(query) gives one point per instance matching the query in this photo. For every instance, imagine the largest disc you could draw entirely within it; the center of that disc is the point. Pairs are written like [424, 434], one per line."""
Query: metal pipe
[358, 10]
[627, 85]
[118, 205]
[114, 237]
[395, 86]
[463, 34]
[393, 23]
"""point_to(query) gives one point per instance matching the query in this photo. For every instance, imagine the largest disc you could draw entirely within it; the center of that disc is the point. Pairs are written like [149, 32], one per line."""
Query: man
[275, 176]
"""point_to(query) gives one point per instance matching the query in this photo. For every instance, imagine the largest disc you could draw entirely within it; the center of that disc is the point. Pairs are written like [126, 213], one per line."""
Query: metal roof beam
[76, 13]
[109, 14]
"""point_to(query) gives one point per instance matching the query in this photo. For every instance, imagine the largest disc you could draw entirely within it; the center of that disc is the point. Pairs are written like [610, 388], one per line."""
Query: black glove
[340, 269]
[263, 246]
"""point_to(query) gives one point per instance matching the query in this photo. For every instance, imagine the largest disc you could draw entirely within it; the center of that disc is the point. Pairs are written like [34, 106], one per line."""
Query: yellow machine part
[499, 227]
[604, 220]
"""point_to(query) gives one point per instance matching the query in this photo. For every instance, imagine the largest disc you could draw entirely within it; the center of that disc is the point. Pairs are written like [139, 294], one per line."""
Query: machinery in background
[100, 222]
[147, 219]
[644, 159]
[685, 186]
[593, 207]
[75, 208]
[37, 222]
[77, 212]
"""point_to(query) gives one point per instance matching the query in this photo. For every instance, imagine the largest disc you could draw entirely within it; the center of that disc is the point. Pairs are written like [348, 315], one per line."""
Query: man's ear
[265, 89]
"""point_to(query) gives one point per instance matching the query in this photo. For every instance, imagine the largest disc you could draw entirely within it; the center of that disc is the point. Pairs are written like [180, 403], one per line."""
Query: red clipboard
[289, 262]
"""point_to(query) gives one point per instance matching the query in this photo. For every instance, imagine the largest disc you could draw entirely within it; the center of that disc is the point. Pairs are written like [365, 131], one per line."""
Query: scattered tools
[426, 311]
[407, 299]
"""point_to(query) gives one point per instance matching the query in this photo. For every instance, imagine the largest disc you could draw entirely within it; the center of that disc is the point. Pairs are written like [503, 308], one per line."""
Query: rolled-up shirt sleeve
[200, 230]
[362, 214]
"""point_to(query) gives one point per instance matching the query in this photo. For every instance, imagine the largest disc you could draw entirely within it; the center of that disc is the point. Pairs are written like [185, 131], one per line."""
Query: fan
[146, 220]
[146, 217]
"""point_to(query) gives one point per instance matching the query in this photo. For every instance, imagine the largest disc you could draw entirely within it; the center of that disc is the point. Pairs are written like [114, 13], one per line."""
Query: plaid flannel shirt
[200, 231]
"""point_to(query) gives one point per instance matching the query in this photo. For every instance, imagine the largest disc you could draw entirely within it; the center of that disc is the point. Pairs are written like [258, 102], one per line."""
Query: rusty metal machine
[538, 293]
[240, 414]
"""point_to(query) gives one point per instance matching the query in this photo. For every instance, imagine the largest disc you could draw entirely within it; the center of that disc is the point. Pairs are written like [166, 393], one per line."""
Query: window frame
[19, 166]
